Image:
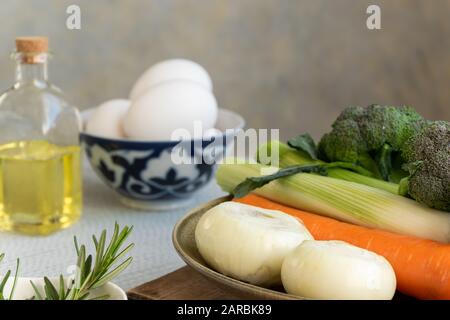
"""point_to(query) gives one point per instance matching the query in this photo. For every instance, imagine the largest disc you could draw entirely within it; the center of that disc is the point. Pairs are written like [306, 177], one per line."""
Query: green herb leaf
[112, 274]
[87, 267]
[37, 293]
[50, 290]
[62, 289]
[76, 245]
[92, 272]
[80, 266]
[93, 277]
[84, 296]
[4, 281]
[124, 251]
[304, 143]
[16, 275]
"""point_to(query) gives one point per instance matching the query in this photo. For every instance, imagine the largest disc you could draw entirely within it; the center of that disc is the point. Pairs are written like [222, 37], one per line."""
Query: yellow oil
[40, 186]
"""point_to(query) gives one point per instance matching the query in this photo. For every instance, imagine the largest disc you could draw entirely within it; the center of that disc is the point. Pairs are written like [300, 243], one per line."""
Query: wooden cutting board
[182, 284]
[187, 284]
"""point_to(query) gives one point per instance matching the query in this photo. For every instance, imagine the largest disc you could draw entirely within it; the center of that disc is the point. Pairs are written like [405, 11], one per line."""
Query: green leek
[347, 201]
[291, 157]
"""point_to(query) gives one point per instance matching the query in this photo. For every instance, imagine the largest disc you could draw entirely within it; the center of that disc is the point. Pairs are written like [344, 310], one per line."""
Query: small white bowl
[24, 290]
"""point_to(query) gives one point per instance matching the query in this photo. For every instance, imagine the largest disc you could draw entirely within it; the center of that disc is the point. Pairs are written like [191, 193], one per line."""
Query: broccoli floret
[396, 144]
[428, 162]
[372, 137]
[346, 133]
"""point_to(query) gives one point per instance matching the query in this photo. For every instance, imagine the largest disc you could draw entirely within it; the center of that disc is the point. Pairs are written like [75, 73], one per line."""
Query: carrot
[422, 267]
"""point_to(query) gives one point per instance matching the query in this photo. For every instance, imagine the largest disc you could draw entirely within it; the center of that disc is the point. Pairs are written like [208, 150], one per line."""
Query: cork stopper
[32, 44]
[32, 49]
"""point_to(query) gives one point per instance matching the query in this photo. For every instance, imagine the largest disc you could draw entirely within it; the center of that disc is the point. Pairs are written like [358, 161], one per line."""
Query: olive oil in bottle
[40, 166]
[40, 186]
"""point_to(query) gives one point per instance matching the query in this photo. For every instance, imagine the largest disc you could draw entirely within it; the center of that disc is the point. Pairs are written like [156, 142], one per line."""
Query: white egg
[106, 119]
[157, 114]
[169, 70]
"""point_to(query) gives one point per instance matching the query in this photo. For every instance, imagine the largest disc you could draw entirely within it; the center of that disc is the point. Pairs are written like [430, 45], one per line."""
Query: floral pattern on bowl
[144, 174]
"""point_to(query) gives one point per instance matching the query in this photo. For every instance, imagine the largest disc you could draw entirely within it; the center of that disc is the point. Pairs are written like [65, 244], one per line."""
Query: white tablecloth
[153, 253]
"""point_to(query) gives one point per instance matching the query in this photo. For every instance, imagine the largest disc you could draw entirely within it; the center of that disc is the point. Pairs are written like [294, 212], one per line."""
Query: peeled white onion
[337, 270]
[169, 70]
[106, 119]
[248, 243]
[168, 108]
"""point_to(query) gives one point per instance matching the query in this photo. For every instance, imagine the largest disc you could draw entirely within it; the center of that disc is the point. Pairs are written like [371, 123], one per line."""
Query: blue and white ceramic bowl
[144, 173]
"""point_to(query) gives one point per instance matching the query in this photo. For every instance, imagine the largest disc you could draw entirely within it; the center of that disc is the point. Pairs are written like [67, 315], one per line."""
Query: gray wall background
[288, 64]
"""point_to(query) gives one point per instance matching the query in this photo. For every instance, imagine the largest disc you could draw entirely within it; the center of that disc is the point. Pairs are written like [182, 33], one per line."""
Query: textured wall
[289, 64]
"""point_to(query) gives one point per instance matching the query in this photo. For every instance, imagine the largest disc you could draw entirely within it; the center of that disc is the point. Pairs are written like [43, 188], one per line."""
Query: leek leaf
[304, 143]
[252, 183]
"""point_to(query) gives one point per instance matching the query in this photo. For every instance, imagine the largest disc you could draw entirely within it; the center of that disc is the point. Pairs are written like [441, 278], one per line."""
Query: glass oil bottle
[40, 166]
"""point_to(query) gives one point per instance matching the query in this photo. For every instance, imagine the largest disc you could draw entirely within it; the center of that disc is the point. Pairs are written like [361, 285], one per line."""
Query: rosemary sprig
[5, 279]
[92, 271]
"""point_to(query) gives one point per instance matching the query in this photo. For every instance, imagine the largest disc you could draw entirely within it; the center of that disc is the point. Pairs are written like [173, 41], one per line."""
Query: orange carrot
[422, 266]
